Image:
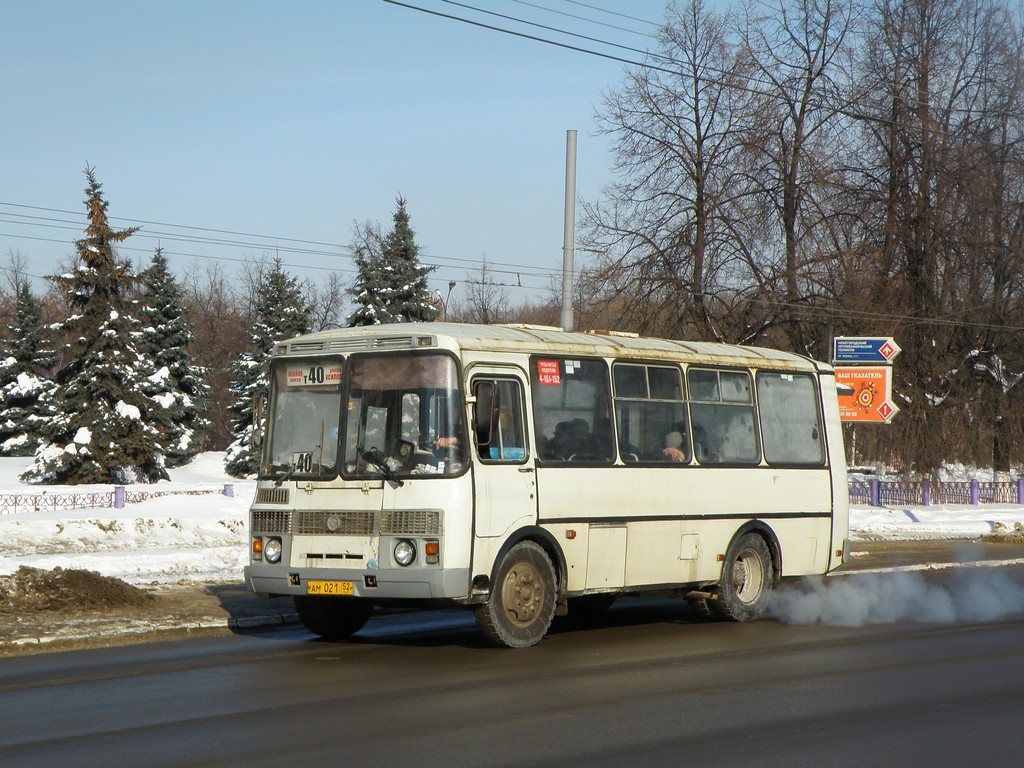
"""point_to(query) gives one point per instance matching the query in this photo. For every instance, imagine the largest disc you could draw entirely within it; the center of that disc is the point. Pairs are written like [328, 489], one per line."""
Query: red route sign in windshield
[548, 372]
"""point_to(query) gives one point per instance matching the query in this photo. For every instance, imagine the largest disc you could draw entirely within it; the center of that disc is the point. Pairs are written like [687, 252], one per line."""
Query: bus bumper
[391, 584]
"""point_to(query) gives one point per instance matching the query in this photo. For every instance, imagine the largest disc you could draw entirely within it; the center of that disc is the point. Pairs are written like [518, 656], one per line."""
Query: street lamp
[451, 287]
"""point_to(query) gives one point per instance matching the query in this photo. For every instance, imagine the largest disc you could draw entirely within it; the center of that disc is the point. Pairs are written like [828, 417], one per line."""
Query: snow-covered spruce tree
[366, 291]
[391, 285]
[26, 389]
[408, 295]
[100, 433]
[280, 312]
[175, 385]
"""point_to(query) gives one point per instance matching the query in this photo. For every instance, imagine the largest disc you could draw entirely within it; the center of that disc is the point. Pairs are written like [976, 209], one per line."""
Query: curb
[252, 622]
[241, 623]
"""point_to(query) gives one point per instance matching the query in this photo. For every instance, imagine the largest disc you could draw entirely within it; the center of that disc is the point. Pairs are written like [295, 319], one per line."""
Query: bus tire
[333, 618]
[522, 602]
[746, 580]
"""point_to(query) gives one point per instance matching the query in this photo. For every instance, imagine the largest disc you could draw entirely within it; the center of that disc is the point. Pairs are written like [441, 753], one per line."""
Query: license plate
[329, 588]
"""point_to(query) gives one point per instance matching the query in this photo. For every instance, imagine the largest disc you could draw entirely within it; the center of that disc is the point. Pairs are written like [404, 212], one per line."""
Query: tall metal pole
[569, 235]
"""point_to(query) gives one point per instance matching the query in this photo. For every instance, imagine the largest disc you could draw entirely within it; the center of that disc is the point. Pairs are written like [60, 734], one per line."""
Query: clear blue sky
[291, 121]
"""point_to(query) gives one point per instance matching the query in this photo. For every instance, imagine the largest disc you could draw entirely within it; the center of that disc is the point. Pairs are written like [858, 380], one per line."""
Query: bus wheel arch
[750, 570]
[525, 589]
[545, 541]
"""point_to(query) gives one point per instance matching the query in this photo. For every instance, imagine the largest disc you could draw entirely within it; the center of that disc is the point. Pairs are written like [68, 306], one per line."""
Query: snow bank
[172, 538]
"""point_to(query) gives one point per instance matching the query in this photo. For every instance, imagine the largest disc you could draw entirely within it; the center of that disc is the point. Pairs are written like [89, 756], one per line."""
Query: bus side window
[790, 419]
[501, 426]
[722, 417]
[572, 409]
[650, 413]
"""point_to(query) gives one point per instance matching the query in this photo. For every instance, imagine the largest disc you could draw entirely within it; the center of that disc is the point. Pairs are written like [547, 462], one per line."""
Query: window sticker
[548, 372]
[313, 375]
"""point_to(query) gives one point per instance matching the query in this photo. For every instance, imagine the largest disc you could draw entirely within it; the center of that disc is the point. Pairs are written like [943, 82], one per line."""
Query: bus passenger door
[505, 476]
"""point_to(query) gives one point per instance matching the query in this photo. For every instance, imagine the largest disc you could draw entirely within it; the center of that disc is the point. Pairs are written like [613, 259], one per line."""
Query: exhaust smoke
[956, 595]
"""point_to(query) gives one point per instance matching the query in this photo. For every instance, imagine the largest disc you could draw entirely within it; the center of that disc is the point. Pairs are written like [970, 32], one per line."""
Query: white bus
[526, 472]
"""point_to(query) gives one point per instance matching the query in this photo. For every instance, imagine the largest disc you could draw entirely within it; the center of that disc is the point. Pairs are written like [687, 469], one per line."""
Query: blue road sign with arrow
[864, 349]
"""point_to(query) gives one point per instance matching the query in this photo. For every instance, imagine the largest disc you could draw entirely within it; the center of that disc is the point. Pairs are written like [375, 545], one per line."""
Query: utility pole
[569, 235]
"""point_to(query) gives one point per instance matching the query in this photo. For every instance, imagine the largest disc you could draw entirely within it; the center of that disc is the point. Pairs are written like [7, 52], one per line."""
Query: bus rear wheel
[333, 618]
[522, 603]
[746, 580]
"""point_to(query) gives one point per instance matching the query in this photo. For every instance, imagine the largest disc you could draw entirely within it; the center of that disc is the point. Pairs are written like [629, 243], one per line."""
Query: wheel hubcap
[747, 576]
[523, 594]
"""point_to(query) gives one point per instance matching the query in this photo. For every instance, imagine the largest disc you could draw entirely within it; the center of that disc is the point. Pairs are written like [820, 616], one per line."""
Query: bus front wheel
[333, 618]
[746, 580]
[522, 602]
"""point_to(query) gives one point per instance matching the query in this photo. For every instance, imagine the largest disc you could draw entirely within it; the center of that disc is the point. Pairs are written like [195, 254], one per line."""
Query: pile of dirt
[66, 590]
[1003, 534]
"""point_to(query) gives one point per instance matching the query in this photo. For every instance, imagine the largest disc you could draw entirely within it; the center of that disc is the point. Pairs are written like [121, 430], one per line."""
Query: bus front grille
[352, 523]
[272, 496]
[270, 521]
[411, 522]
[396, 522]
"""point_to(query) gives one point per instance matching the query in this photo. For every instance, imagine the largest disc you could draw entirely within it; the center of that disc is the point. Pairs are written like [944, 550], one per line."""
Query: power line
[614, 13]
[255, 241]
[526, 36]
[557, 30]
[581, 18]
[804, 309]
[845, 110]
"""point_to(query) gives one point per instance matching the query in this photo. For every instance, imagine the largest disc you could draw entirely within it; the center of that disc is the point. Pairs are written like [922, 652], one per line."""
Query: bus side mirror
[482, 412]
[259, 404]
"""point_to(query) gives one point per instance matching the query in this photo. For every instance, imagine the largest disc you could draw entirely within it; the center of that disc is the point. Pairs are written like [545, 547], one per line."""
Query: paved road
[648, 684]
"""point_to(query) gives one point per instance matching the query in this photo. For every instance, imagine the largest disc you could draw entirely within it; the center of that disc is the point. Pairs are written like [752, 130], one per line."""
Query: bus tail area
[526, 472]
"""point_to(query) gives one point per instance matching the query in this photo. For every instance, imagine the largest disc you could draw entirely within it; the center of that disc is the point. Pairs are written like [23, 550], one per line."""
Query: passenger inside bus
[674, 446]
[581, 442]
[450, 446]
[557, 446]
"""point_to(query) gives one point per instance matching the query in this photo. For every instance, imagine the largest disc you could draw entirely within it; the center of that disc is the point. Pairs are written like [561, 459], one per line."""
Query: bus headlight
[405, 552]
[272, 550]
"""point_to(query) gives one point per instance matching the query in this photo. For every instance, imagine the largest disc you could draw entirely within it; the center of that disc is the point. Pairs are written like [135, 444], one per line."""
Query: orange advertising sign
[865, 394]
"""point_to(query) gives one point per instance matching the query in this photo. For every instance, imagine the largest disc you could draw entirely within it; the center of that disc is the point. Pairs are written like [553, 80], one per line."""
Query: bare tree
[942, 172]
[795, 47]
[673, 237]
[15, 274]
[220, 319]
[326, 300]
[484, 299]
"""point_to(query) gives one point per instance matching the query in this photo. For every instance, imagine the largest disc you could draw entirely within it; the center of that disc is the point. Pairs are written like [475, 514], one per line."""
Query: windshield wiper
[286, 475]
[380, 461]
[296, 463]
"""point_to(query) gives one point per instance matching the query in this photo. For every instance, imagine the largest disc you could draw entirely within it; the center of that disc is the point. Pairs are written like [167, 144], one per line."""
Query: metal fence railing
[115, 498]
[923, 493]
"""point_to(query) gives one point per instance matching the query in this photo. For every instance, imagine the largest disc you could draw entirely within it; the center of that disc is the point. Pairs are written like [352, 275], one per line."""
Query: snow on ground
[949, 521]
[170, 538]
[204, 538]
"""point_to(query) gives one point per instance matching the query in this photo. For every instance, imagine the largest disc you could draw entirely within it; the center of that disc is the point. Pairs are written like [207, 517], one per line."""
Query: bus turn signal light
[431, 552]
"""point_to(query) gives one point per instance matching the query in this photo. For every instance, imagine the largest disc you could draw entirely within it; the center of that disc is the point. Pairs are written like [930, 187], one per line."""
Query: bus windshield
[404, 417]
[305, 408]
